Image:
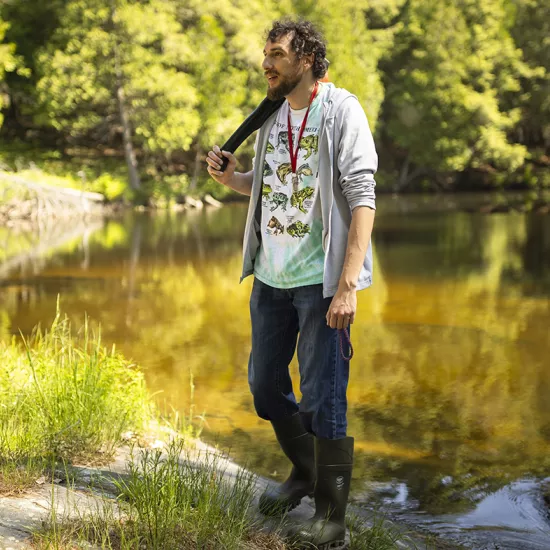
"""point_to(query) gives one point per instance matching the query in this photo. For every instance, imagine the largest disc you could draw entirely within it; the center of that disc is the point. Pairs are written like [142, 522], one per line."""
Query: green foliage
[167, 501]
[9, 61]
[449, 87]
[531, 31]
[102, 48]
[109, 185]
[170, 496]
[226, 67]
[376, 536]
[344, 26]
[455, 63]
[31, 26]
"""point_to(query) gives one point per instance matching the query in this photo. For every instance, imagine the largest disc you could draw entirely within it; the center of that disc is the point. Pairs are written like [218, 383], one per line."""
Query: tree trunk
[196, 170]
[403, 175]
[129, 153]
[406, 176]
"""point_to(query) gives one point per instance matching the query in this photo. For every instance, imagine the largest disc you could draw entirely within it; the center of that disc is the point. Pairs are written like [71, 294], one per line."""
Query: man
[307, 242]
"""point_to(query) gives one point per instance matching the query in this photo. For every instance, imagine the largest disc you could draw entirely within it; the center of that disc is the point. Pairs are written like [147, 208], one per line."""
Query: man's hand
[341, 312]
[214, 161]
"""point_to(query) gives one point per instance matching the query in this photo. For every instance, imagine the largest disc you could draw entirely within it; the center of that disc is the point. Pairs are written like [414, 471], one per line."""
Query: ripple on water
[514, 517]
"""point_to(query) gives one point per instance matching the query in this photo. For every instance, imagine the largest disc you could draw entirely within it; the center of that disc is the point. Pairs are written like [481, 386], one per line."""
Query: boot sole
[333, 545]
[338, 544]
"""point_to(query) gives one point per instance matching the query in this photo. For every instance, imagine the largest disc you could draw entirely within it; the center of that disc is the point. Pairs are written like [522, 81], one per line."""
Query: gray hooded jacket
[347, 164]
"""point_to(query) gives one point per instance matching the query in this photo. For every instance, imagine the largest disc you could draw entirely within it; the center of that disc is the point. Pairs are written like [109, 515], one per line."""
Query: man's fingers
[213, 156]
[339, 320]
[213, 164]
[343, 321]
[213, 172]
[213, 160]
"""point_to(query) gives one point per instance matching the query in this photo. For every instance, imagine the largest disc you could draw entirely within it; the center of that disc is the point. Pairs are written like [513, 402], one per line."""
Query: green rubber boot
[327, 528]
[298, 446]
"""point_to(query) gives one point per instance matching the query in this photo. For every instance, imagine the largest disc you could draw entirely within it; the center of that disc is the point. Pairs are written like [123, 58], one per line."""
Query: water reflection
[448, 394]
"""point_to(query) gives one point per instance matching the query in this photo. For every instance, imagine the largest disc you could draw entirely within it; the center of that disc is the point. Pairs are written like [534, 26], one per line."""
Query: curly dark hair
[306, 40]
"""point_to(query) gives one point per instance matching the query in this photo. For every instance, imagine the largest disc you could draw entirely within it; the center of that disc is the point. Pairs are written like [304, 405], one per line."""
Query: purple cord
[344, 333]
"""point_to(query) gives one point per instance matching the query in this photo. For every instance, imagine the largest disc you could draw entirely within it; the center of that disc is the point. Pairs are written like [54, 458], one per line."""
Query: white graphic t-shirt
[291, 251]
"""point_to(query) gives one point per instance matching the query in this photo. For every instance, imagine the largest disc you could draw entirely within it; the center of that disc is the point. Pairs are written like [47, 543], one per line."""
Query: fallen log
[45, 188]
[30, 200]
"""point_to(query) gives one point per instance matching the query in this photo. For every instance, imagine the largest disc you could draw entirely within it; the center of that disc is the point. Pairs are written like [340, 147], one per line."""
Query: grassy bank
[84, 170]
[65, 399]
[170, 503]
[106, 173]
[99, 172]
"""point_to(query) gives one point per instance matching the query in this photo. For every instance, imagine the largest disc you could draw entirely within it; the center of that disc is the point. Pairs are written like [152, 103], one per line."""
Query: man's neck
[299, 97]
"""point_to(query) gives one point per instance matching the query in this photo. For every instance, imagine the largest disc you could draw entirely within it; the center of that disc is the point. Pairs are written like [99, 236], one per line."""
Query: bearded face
[282, 82]
[282, 68]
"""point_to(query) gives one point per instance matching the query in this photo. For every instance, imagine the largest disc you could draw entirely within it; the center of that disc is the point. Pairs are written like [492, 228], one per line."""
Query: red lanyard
[294, 153]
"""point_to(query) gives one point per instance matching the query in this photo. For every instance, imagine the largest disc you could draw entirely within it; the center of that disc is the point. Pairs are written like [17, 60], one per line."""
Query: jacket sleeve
[256, 141]
[357, 159]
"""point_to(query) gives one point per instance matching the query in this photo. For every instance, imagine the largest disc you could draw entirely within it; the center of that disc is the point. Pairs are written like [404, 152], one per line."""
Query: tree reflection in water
[448, 386]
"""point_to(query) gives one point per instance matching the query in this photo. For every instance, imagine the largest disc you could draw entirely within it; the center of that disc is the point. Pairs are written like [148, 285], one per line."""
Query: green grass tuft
[64, 398]
[168, 501]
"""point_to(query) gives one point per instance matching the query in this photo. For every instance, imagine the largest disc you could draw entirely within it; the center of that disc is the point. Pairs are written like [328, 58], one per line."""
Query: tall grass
[64, 397]
[169, 501]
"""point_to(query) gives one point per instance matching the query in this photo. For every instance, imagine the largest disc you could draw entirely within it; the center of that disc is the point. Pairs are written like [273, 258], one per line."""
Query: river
[449, 392]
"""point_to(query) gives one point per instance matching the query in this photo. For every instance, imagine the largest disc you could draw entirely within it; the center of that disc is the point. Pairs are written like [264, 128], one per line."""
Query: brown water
[449, 392]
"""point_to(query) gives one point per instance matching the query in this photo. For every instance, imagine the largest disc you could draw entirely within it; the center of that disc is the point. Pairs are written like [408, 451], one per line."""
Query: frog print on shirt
[303, 171]
[282, 141]
[298, 229]
[291, 251]
[275, 227]
[310, 144]
[283, 171]
[278, 199]
[268, 171]
[300, 196]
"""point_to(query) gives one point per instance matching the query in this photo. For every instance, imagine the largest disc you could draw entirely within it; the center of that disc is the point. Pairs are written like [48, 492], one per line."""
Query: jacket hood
[333, 98]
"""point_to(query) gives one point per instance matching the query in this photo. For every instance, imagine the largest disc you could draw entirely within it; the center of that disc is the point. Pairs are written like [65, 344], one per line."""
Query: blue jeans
[280, 319]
